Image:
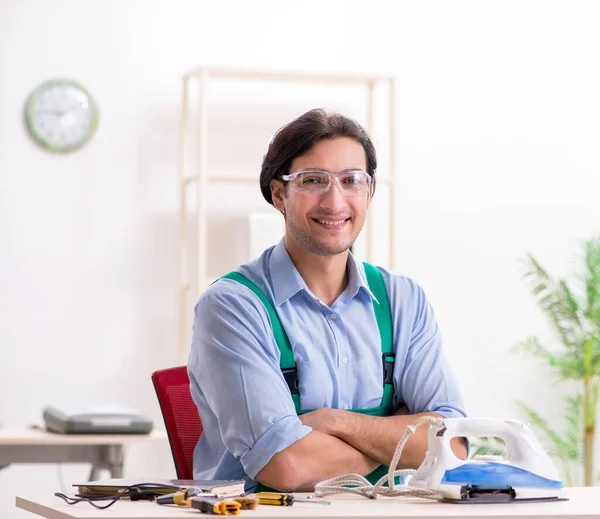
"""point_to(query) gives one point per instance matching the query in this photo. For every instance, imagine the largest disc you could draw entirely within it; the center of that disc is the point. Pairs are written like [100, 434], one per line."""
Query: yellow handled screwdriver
[285, 499]
[180, 498]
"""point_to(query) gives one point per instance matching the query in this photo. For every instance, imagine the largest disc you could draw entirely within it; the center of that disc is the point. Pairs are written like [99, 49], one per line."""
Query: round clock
[61, 115]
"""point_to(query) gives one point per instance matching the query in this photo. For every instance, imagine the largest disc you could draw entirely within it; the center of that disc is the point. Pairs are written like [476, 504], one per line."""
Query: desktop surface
[583, 502]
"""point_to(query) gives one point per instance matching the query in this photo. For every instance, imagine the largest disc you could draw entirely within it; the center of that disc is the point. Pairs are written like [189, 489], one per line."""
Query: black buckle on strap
[291, 379]
[388, 368]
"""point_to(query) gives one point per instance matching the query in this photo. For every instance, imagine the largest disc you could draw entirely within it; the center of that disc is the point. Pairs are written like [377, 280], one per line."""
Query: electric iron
[527, 474]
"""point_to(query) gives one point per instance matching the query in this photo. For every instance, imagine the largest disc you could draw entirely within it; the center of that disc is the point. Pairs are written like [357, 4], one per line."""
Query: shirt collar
[287, 281]
[357, 279]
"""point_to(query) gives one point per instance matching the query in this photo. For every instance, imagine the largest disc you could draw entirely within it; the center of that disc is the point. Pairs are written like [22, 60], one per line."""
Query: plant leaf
[488, 445]
[592, 280]
[574, 427]
[557, 301]
[569, 305]
[566, 366]
[559, 448]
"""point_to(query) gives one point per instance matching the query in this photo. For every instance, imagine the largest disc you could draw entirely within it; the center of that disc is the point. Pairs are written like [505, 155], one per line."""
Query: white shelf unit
[194, 174]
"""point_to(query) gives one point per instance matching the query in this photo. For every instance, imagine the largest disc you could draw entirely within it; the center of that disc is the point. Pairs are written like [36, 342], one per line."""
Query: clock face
[61, 115]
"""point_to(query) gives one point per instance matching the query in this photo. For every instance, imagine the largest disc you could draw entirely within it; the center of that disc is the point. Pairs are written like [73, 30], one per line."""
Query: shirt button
[345, 360]
[346, 406]
[333, 316]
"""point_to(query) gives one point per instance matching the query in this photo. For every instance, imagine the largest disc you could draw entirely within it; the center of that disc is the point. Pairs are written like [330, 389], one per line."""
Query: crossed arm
[344, 442]
[315, 457]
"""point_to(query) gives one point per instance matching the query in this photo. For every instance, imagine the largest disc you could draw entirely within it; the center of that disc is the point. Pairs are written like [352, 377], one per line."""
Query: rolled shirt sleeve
[235, 377]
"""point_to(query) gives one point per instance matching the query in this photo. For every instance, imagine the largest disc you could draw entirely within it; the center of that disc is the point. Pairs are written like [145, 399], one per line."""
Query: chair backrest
[181, 417]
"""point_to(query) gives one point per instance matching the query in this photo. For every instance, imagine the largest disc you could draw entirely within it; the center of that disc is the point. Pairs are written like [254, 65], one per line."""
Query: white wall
[499, 107]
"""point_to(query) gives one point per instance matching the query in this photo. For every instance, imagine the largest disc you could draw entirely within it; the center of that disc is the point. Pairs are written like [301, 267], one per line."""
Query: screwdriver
[181, 498]
[284, 499]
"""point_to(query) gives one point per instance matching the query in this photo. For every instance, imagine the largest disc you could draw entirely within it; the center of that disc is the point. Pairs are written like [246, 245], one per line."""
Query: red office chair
[180, 414]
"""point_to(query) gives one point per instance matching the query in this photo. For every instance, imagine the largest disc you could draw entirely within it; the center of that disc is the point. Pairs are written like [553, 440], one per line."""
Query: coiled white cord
[357, 484]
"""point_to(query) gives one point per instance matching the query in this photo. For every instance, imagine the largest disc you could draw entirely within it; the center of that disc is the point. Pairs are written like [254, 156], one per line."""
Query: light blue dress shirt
[244, 402]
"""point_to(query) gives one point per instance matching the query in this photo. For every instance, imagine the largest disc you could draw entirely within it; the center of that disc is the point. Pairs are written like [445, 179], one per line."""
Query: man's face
[329, 223]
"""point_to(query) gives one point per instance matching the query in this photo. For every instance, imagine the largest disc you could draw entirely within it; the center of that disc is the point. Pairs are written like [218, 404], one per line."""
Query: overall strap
[383, 315]
[286, 363]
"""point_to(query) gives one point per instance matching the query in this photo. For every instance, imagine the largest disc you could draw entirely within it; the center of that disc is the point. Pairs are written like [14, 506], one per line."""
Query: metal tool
[246, 502]
[311, 499]
[285, 499]
[526, 474]
[215, 505]
[181, 497]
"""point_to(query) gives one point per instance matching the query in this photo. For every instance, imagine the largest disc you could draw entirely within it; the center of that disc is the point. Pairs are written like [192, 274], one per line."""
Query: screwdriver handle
[275, 498]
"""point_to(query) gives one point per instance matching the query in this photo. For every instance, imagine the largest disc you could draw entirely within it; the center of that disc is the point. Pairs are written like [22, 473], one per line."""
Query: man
[290, 428]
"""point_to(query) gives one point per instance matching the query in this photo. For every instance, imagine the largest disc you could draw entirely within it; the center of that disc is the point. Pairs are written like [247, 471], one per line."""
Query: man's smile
[332, 223]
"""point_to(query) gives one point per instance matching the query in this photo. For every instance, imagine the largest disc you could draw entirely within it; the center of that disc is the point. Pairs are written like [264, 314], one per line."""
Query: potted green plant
[572, 306]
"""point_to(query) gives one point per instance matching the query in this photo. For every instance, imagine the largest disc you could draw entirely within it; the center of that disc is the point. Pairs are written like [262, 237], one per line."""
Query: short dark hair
[299, 136]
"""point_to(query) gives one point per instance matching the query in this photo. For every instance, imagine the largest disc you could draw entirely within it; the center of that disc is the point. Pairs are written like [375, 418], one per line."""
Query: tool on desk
[528, 473]
[181, 497]
[246, 502]
[216, 506]
[285, 499]
[135, 492]
[217, 487]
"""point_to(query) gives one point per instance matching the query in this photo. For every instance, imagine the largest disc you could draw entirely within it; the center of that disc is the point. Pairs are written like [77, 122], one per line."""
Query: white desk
[103, 451]
[584, 502]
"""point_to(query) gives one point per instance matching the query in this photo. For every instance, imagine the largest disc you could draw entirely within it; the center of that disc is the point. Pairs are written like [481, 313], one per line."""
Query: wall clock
[61, 115]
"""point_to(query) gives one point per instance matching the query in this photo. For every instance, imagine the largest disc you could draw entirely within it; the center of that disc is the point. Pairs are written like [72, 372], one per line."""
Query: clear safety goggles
[352, 182]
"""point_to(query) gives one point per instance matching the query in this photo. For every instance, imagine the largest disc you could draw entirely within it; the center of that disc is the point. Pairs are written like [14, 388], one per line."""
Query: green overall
[288, 366]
